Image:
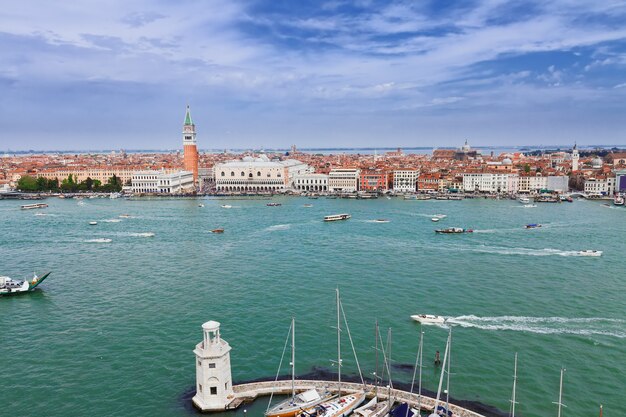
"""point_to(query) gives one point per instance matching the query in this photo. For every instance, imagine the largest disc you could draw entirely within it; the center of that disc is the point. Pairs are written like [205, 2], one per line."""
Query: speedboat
[336, 217]
[618, 201]
[452, 230]
[200, 205]
[435, 219]
[292, 406]
[226, 206]
[93, 223]
[273, 204]
[590, 252]
[381, 221]
[337, 407]
[524, 200]
[532, 226]
[217, 231]
[9, 286]
[428, 319]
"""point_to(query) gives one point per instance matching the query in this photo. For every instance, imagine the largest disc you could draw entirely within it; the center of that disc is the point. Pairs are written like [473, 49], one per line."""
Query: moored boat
[618, 201]
[336, 217]
[9, 286]
[428, 319]
[524, 200]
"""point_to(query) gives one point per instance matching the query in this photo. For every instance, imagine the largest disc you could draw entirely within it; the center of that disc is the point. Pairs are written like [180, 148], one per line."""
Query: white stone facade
[251, 174]
[491, 182]
[214, 386]
[311, 182]
[604, 186]
[344, 179]
[405, 180]
[161, 182]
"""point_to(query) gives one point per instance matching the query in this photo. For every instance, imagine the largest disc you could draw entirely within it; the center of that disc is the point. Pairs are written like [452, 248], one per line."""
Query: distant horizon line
[528, 148]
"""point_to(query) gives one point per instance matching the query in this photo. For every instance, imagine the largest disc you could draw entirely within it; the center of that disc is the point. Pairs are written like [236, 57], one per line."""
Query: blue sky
[118, 74]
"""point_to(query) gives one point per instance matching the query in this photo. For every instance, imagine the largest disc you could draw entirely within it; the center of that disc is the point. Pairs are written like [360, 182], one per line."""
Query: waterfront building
[601, 184]
[162, 182]
[343, 179]
[620, 181]
[214, 386]
[101, 174]
[206, 179]
[373, 180]
[404, 180]
[295, 168]
[428, 181]
[251, 175]
[311, 182]
[190, 149]
[490, 182]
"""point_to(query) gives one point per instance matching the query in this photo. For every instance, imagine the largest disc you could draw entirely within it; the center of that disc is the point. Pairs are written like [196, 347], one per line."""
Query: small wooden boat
[217, 231]
[428, 319]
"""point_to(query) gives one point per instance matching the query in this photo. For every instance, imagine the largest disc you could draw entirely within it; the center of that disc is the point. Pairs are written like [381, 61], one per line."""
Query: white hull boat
[590, 253]
[9, 286]
[339, 407]
[428, 319]
[524, 200]
[226, 206]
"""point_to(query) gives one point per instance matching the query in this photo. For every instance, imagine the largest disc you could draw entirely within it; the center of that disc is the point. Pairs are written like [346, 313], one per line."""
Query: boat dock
[245, 393]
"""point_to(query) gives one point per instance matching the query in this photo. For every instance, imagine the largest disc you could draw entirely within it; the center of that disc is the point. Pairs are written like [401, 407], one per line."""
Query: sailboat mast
[443, 367]
[514, 387]
[376, 371]
[448, 372]
[389, 366]
[561, 392]
[338, 344]
[419, 384]
[293, 357]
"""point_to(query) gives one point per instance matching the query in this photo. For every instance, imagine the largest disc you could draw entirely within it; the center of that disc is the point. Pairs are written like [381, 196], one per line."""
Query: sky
[118, 74]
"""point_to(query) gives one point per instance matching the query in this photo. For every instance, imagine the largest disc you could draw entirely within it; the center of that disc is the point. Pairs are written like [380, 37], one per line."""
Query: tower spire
[188, 121]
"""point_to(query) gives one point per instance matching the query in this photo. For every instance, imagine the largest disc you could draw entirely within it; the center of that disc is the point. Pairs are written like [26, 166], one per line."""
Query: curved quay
[244, 393]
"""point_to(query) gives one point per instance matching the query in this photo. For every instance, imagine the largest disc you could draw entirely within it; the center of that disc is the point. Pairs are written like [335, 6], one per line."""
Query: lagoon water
[111, 332]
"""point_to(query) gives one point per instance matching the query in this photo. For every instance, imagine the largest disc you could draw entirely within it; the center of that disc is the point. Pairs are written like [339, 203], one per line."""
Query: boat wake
[111, 221]
[277, 227]
[545, 325]
[99, 240]
[142, 234]
[498, 250]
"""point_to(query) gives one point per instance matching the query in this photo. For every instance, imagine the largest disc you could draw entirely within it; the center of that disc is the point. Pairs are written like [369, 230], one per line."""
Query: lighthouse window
[213, 390]
[211, 365]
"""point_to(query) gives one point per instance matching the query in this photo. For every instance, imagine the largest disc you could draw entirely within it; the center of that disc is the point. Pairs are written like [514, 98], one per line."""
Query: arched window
[258, 174]
[232, 173]
[268, 175]
[278, 175]
[223, 173]
[250, 175]
[243, 174]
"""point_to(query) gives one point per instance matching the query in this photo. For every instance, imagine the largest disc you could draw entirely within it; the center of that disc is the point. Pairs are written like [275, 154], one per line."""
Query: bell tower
[189, 146]
[575, 158]
[214, 387]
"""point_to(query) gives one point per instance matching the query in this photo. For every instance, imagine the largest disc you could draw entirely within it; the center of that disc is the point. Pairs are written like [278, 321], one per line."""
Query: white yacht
[336, 217]
[524, 200]
[226, 206]
[590, 252]
[428, 319]
[9, 286]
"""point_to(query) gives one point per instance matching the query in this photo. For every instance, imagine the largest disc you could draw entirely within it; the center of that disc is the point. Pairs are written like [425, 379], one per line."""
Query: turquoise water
[113, 328]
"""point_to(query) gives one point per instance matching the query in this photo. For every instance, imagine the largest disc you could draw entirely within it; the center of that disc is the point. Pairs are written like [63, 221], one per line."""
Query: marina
[507, 298]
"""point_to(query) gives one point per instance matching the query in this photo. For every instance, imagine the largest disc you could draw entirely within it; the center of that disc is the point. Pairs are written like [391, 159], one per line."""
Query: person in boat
[437, 359]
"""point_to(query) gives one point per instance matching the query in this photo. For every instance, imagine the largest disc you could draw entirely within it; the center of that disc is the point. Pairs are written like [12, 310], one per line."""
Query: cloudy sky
[118, 74]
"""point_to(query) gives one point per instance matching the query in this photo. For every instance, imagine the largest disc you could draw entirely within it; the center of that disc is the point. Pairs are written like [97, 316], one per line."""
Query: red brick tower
[189, 146]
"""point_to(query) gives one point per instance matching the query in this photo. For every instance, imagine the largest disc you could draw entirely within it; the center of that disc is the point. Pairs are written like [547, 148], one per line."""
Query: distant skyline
[318, 74]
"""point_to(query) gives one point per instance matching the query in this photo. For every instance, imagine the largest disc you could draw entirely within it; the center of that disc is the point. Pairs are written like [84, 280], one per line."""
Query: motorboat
[9, 286]
[532, 226]
[590, 253]
[524, 200]
[428, 319]
[453, 230]
[217, 231]
[200, 205]
[618, 201]
[33, 206]
[226, 206]
[273, 204]
[381, 221]
[336, 217]
[308, 205]
[93, 223]
[435, 219]
[410, 197]
[124, 216]
[455, 198]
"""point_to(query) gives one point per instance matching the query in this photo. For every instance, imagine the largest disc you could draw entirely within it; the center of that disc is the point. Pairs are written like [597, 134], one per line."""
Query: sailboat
[296, 402]
[439, 410]
[560, 403]
[513, 402]
[340, 406]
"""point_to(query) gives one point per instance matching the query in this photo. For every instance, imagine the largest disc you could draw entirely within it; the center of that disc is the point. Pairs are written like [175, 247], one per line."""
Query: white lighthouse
[214, 387]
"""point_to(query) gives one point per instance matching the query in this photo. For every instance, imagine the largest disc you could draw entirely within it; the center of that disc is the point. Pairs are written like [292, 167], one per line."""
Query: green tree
[53, 185]
[114, 184]
[527, 168]
[42, 184]
[68, 184]
[27, 183]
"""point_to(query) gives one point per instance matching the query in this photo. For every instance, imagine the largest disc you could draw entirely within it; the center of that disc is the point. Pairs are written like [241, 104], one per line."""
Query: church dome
[507, 161]
[248, 159]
